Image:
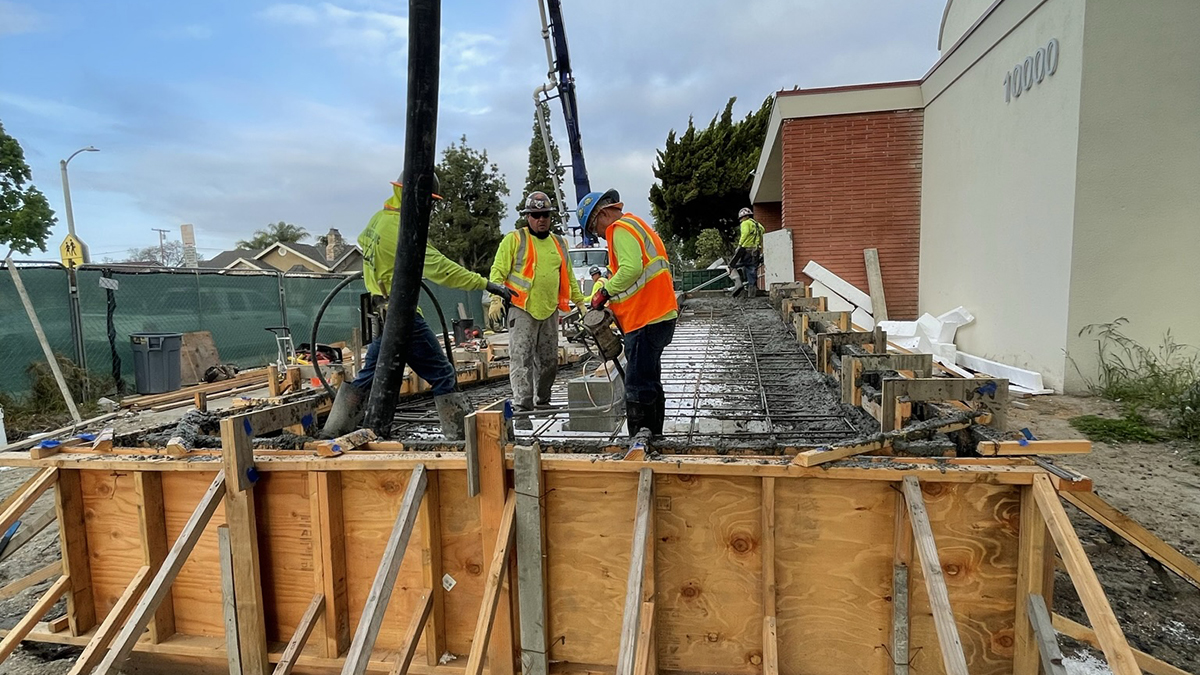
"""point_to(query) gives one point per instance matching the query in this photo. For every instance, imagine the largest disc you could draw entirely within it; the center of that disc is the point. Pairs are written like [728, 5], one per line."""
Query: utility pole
[162, 246]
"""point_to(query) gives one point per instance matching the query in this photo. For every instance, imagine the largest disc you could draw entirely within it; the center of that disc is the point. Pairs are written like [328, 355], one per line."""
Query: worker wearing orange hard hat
[641, 296]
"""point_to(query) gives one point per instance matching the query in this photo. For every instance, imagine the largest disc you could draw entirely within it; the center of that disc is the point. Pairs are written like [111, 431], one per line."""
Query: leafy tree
[170, 254]
[25, 215]
[710, 245]
[465, 226]
[273, 233]
[704, 176]
[538, 175]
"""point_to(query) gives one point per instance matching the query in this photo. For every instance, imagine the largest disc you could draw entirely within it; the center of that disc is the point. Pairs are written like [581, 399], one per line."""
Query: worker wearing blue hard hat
[641, 296]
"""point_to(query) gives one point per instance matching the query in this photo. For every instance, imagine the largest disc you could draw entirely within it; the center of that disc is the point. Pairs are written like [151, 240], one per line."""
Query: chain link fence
[236, 306]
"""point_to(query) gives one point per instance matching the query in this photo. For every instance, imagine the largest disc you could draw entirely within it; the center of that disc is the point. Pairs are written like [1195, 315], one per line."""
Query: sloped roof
[226, 258]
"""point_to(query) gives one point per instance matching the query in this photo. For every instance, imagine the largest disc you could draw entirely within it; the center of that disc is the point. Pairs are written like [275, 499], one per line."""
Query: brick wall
[852, 182]
[770, 215]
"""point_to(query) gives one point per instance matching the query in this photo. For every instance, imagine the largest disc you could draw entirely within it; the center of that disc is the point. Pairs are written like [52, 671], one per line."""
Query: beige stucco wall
[998, 189]
[287, 261]
[1137, 203]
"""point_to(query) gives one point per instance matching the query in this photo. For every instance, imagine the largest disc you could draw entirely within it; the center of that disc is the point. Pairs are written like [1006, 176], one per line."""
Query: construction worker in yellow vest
[748, 256]
[532, 263]
[641, 296]
[597, 276]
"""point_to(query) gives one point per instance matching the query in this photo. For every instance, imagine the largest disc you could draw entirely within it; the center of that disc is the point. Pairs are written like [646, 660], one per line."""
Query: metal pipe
[424, 38]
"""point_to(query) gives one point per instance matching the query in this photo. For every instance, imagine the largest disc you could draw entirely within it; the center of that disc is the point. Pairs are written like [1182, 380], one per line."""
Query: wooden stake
[413, 635]
[637, 562]
[770, 644]
[901, 559]
[153, 525]
[497, 571]
[303, 630]
[237, 453]
[935, 583]
[645, 641]
[1047, 642]
[431, 570]
[329, 546]
[229, 601]
[385, 578]
[27, 622]
[1091, 594]
[51, 359]
[27, 494]
[1035, 576]
[875, 284]
[490, 428]
[531, 560]
[160, 586]
[48, 572]
[201, 401]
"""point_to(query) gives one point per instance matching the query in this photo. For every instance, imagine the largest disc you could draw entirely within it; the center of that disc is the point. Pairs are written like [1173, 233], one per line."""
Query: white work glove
[496, 310]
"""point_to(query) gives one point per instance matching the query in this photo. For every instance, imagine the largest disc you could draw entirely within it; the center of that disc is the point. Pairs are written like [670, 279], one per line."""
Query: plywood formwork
[834, 533]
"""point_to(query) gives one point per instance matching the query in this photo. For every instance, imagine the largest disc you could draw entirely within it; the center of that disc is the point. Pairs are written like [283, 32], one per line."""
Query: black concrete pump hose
[312, 344]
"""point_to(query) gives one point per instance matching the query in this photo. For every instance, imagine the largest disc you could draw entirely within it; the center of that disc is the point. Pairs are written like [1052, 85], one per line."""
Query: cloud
[17, 18]
[369, 35]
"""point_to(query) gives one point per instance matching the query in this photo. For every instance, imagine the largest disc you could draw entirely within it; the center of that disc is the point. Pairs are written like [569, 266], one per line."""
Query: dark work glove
[500, 291]
[600, 298]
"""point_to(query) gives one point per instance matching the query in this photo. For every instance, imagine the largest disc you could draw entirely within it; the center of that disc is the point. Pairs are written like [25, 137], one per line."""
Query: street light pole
[62, 164]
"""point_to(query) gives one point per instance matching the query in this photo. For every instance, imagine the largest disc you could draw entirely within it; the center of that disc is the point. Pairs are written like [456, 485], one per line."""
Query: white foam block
[1019, 376]
[860, 318]
[833, 301]
[839, 285]
[952, 321]
[899, 329]
[929, 326]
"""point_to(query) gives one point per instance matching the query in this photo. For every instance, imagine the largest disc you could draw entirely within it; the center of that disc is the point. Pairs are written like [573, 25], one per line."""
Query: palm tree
[272, 233]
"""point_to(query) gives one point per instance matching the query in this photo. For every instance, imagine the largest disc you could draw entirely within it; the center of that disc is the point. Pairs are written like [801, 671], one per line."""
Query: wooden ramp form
[380, 561]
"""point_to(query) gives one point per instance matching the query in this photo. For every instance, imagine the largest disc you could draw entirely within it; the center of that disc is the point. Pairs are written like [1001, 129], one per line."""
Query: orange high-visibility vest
[520, 279]
[652, 296]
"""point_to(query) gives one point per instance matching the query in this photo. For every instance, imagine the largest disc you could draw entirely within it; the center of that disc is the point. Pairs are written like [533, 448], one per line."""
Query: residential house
[336, 257]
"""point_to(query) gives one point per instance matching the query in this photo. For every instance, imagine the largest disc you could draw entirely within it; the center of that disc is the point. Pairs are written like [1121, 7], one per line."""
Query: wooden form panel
[975, 528]
[110, 517]
[833, 563]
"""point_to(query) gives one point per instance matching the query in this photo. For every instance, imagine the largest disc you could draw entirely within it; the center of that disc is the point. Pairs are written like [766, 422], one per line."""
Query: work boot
[452, 414]
[522, 422]
[637, 416]
[346, 414]
[657, 416]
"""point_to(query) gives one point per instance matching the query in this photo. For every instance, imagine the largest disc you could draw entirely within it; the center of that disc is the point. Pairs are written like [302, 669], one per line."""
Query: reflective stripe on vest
[652, 295]
[520, 278]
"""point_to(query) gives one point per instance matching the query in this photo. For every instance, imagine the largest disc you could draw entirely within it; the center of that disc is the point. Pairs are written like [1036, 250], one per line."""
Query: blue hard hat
[589, 202]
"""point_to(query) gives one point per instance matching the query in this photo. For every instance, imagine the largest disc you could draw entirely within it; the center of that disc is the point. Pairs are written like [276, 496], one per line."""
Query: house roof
[350, 260]
[226, 258]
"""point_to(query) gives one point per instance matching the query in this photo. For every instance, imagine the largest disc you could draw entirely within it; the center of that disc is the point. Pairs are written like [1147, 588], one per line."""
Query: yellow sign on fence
[71, 251]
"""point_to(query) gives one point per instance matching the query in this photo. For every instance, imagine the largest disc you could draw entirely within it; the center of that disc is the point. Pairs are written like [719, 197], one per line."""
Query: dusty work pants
[533, 357]
[645, 400]
[426, 357]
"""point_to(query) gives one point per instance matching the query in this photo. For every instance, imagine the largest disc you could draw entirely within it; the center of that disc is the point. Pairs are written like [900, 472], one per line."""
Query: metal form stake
[424, 51]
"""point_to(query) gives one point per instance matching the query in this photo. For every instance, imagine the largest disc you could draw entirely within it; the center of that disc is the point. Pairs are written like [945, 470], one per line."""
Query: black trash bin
[156, 361]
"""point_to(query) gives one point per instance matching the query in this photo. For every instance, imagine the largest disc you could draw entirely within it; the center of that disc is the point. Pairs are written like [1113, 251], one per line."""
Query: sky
[232, 114]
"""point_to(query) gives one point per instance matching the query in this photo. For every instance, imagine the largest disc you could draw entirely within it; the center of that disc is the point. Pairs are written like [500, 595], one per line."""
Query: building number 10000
[1034, 69]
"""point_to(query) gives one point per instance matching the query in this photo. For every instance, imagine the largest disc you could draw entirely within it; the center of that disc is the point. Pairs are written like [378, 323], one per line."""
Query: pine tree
[704, 177]
[465, 226]
[25, 215]
[537, 178]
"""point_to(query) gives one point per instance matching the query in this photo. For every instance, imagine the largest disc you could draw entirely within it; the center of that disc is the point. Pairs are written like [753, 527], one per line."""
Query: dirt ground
[1156, 484]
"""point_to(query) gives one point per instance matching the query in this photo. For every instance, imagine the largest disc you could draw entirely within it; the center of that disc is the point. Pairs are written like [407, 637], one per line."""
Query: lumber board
[380, 594]
[1083, 577]
[490, 432]
[351, 441]
[901, 559]
[112, 623]
[953, 657]
[1046, 447]
[1146, 662]
[463, 561]
[26, 495]
[287, 550]
[768, 546]
[188, 393]
[627, 652]
[296, 645]
[531, 560]
[29, 530]
[1133, 532]
[770, 664]
[329, 559]
[875, 284]
[1047, 641]
[58, 625]
[471, 452]
[27, 622]
[413, 634]
[645, 640]
[195, 585]
[197, 354]
[1035, 576]
[431, 571]
[152, 525]
[161, 584]
[233, 651]
[34, 578]
[242, 519]
[73, 543]
[497, 572]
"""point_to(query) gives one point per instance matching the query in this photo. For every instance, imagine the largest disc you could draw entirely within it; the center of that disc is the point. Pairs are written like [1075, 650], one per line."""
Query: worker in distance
[748, 255]
[533, 266]
[641, 296]
[598, 277]
[425, 356]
